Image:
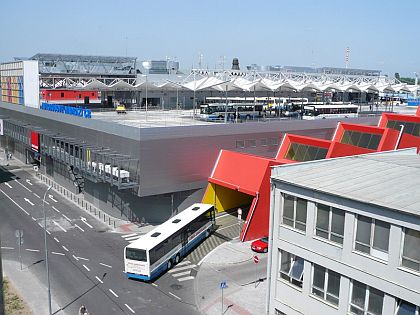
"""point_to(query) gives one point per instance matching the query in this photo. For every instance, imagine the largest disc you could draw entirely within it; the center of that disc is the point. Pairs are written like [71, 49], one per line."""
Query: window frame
[329, 232]
[294, 220]
[365, 309]
[324, 290]
[398, 303]
[404, 229]
[287, 276]
[374, 252]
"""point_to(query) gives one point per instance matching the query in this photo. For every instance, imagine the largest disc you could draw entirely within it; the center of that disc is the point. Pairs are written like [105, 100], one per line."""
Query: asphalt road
[85, 258]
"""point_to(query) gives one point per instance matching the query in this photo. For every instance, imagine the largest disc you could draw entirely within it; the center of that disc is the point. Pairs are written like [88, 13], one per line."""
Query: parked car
[260, 245]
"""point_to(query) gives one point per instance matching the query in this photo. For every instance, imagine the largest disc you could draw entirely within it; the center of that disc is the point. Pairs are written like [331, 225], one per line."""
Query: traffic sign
[18, 233]
[223, 285]
[256, 259]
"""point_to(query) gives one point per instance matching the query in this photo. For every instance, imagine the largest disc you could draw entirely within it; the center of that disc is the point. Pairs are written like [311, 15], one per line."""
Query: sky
[380, 34]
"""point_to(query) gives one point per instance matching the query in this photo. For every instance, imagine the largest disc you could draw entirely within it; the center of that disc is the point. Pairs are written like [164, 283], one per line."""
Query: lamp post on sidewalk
[46, 251]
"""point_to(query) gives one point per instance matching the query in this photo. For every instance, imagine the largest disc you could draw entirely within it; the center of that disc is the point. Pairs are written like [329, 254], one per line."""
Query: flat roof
[387, 179]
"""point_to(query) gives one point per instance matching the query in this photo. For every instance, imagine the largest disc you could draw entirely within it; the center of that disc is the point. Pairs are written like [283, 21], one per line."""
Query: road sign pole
[222, 301]
[20, 251]
[256, 261]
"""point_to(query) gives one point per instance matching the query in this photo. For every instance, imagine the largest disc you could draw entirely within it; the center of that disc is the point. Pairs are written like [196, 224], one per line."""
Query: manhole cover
[176, 286]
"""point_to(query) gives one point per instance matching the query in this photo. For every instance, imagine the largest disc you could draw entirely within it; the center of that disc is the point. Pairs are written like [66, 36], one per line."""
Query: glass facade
[412, 128]
[361, 139]
[372, 237]
[302, 152]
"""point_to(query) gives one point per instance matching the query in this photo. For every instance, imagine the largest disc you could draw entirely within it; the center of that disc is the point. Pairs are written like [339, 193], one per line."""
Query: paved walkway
[242, 296]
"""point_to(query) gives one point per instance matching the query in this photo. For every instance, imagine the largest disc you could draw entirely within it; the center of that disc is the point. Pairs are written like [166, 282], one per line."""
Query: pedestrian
[82, 310]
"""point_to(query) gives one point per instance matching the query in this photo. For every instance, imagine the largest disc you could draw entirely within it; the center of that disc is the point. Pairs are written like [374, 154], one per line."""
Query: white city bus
[330, 111]
[217, 111]
[157, 251]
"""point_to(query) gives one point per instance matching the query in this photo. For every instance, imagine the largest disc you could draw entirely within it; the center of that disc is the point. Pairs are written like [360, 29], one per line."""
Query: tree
[397, 75]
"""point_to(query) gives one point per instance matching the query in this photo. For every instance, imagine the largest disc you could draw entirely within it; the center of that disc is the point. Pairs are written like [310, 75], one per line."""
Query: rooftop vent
[176, 221]
[156, 234]
[195, 208]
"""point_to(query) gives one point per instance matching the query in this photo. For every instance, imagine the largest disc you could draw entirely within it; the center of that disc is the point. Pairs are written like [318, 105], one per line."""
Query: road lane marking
[49, 233]
[14, 202]
[86, 268]
[56, 239]
[32, 250]
[55, 253]
[59, 226]
[115, 294]
[129, 235]
[55, 209]
[65, 248]
[75, 257]
[67, 218]
[79, 228]
[8, 185]
[131, 310]
[46, 202]
[177, 297]
[7, 247]
[154, 284]
[22, 185]
[97, 278]
[185, 262]
[29, 182]
[182, 268]
[105, 265]
[33, 219]
[185, 278]
[36, 195]
[84, 220]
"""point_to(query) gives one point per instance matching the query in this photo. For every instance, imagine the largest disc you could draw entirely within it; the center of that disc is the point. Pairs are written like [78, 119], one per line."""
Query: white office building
[345, 236]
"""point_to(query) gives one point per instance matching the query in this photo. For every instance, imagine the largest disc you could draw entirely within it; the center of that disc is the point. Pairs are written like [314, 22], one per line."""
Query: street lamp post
[146, 65]
[46, 251]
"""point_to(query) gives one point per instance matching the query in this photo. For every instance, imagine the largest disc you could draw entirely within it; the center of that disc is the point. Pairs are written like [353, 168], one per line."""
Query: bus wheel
[169, 264]
[177, 259]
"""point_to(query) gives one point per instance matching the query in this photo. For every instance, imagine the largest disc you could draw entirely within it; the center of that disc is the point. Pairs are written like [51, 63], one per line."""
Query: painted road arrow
[29, 182]
[52, 198]
[28, 201]
[84, 220]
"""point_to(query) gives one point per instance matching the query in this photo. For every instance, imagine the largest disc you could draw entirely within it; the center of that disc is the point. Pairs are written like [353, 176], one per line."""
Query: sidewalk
[241, 296]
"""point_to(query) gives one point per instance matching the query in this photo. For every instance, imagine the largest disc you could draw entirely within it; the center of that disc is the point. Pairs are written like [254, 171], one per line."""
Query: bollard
[114, 223]
[109, 220]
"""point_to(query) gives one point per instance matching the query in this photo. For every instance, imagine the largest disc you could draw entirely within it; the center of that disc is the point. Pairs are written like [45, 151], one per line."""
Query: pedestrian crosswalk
[131, 237]
[183, 271]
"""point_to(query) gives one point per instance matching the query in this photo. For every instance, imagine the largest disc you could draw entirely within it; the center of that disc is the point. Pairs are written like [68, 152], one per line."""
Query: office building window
[264, 142]
[330, 223]
[372, 237]
[291, 268]
[326, 284]
[365, 300]
[405, 308]
[411, 250]
[294, 212]
[252, 143]
[240, 144]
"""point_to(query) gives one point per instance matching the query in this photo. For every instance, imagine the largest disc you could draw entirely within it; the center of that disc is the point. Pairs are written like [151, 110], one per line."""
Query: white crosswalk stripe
[128, 235]
[182, 271]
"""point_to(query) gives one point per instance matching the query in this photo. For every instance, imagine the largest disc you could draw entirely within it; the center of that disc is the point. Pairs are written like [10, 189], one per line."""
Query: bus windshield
[136, 254]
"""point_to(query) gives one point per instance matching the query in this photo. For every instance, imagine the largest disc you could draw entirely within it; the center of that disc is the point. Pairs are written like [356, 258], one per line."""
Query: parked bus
[330, 111]
[157, 251]
[217, 111]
